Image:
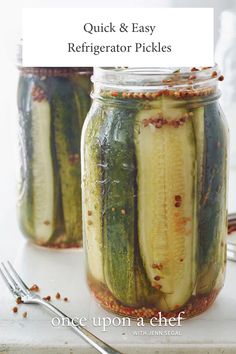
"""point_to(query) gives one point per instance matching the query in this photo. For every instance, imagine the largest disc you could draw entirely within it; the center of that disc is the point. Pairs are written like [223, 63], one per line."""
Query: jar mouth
[151, 83]
[55, 71]
[155, 76]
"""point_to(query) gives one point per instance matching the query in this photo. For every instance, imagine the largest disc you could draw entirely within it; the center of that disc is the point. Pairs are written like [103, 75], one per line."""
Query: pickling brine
[154, 188]
[52, 105]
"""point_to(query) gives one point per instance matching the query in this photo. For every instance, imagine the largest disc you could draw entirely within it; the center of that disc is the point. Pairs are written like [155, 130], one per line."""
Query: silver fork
[19, 289]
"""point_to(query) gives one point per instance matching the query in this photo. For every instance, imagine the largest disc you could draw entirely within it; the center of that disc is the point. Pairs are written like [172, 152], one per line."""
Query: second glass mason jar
[52, 105]
[154, 185]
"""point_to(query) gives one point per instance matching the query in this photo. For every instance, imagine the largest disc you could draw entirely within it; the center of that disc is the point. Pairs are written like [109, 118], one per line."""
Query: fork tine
[16, 287]
[9, 277]
[18, 278]
[6, 281]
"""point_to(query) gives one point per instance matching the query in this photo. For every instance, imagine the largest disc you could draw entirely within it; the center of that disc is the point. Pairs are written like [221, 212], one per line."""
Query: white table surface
[63, 271]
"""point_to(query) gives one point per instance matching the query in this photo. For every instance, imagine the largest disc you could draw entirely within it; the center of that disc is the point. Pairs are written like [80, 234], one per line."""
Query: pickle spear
[166, 165]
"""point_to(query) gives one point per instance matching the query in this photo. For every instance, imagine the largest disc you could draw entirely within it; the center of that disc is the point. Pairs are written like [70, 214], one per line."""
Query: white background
[37, 328]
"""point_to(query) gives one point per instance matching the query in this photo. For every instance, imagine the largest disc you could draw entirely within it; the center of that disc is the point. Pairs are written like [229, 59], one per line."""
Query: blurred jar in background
[52, 106]
[226, 58]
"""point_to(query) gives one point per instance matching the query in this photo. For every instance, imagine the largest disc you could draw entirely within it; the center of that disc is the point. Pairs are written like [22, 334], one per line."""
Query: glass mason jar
[154, 176]
[52, 105]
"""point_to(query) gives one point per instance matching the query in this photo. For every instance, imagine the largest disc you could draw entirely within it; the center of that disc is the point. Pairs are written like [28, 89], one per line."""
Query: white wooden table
[63, 271]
